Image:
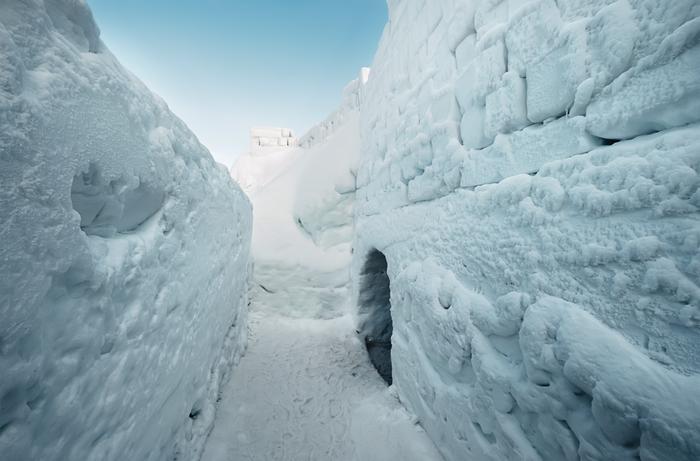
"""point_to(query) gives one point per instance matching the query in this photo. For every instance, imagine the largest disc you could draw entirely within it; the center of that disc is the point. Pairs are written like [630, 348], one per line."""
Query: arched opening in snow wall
[375, 312]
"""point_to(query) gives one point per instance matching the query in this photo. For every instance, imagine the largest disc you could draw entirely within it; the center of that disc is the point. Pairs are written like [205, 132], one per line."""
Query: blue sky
[226, 65]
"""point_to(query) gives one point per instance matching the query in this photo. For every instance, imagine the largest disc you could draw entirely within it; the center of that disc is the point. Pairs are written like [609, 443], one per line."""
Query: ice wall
[124, 259]
[530, 172]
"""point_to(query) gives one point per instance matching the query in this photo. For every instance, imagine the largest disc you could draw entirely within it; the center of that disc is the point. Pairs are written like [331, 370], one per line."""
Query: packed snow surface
[305, 390]
[124, 255]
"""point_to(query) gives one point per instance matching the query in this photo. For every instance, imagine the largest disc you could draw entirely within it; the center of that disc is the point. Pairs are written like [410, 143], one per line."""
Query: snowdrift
[530, 172]
[124, 258]
[303, 222]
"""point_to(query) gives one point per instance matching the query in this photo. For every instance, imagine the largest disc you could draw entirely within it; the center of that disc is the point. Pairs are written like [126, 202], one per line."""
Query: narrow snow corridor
[306, 391]
[488, 250]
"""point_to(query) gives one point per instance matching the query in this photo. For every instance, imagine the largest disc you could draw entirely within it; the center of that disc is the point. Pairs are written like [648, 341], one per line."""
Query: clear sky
[226, 65]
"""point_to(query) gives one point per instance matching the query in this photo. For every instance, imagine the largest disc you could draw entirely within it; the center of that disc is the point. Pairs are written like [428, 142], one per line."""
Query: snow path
[305, 390]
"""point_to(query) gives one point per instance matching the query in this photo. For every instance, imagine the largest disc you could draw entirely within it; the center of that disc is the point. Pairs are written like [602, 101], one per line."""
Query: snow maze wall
[530, 172]
[124, 255]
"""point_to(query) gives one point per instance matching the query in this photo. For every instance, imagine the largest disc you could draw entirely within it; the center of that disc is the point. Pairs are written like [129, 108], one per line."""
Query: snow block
[506, 108]
[526, 150]
[659, 93]
[124, 263]
[465, 52]
[490, 65]
[461, 25]
[611, 36]
[490, 13]
[550, 90]
[532, 33]
[444, 106]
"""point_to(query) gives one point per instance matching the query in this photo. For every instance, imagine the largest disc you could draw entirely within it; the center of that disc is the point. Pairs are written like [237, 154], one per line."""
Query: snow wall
[530, 172]
[124, 260]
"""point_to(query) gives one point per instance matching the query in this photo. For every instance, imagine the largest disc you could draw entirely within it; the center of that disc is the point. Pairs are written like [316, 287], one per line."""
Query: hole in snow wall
[114, 206]
[374, 301]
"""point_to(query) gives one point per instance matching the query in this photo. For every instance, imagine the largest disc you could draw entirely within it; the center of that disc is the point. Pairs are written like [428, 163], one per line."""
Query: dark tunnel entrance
[375, 313]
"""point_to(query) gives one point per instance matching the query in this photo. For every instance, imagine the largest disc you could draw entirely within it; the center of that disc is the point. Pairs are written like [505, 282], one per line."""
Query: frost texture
[530, 170]
[124, 258]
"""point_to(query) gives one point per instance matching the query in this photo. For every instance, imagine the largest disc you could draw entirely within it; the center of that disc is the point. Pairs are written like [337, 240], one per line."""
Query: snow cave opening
[376, 324]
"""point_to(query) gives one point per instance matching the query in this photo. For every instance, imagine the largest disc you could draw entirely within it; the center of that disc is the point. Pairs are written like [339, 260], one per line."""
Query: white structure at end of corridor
[264, 138]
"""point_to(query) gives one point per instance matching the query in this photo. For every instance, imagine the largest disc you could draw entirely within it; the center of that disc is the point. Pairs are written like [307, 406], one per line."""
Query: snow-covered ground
[305, 390]
[124, 254]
